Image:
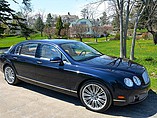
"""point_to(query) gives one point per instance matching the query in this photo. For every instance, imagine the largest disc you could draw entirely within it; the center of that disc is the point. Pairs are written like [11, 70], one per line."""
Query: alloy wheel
[9, 75]
[94, 97]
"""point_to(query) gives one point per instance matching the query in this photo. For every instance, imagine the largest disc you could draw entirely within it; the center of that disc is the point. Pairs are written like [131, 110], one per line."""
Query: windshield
[80, 51]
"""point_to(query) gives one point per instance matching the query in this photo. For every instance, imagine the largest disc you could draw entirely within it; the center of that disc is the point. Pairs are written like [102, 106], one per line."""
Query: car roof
[53, 41]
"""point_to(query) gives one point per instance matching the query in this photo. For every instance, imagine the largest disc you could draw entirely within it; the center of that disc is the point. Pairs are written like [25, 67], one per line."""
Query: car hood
[114, 63]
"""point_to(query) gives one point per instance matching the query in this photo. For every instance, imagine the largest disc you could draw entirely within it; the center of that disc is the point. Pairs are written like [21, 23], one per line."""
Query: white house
[83, 21]
[69, 18]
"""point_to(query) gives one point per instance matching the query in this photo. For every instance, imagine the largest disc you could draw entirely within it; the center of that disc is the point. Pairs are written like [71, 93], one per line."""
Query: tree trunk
[155, 37]
[26, 38]
[133, 41]
[121, 30]
[41, 34]
[96, 39]
[49, 36]
[134, 33]
[126, 29]
[59, 32]
[80, 38]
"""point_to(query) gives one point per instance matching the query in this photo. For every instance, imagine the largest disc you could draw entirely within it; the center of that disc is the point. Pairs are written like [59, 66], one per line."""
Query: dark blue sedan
[76, 69]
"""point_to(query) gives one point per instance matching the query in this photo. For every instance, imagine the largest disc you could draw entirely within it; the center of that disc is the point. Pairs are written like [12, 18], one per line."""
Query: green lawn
[145, 51]
[9, 41]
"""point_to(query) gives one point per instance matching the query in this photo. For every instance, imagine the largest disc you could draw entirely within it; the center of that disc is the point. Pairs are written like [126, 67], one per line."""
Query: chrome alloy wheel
[94, 97]
[9, 75]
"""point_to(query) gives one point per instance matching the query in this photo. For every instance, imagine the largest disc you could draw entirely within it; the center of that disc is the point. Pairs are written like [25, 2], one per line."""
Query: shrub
[144, 35]
[117, 36]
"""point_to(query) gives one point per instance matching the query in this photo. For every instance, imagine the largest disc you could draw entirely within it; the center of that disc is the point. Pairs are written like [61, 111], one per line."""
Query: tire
[10, 75]
[95, 96]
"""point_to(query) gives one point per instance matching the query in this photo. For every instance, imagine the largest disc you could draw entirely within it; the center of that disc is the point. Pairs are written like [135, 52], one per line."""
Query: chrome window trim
[21, 45]
[27, 55]
[67, 62]
[46, 84]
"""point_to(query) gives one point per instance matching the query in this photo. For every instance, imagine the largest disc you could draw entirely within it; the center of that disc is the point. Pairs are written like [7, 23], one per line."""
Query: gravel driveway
[29, 101]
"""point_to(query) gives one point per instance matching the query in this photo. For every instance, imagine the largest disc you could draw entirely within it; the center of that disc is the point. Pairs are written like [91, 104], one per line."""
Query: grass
[9, 41]
[145, 51]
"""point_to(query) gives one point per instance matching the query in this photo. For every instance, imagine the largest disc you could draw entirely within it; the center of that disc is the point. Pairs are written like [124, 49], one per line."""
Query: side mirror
[56, 60]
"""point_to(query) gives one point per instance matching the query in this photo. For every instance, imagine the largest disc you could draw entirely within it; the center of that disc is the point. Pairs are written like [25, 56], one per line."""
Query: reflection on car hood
[113, 63]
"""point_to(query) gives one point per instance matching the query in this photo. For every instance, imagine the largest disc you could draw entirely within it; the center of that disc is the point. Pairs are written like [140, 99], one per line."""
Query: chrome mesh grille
[146, 77]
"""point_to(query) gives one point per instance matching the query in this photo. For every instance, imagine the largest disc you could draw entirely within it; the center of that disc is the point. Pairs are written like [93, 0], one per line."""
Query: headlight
[136, 80]
[128, 82]
[146, 77]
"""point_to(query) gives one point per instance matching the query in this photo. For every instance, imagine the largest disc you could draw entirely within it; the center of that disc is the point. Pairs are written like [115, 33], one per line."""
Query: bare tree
[115, 15]
[137, 17]
[121, 6]
[123, 9]
[84, 13]
[49, 31]
[96, 31]
[66, 30]
[150, 18]
[79, 30]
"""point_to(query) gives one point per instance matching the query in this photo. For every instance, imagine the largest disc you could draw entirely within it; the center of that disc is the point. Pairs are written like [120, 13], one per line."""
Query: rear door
[24, 59]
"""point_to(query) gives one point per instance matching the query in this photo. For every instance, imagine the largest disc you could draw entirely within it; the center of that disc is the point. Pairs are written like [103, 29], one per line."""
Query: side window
[48, 51]
[17, 50]
[29, 49]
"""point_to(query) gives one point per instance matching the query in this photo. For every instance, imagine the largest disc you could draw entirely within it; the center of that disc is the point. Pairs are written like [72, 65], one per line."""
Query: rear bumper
[132, 96]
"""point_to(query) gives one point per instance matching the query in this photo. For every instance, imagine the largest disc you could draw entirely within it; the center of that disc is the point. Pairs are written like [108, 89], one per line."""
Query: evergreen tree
[59, 26]
[24, 28]
[104, 19]
[39, 25]
[49, 19]
[6, 16]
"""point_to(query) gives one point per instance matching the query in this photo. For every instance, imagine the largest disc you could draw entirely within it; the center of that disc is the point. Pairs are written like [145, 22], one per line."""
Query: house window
[83, 23]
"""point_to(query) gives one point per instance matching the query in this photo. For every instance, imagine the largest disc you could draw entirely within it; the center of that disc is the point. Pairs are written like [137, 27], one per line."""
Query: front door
[53, 73]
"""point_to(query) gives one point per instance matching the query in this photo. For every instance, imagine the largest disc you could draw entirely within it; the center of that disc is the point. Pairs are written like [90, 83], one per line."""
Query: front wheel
[10, 75]
[95, 96]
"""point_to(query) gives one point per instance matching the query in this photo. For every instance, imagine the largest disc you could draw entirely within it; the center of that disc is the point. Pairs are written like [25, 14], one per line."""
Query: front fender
[107, 77]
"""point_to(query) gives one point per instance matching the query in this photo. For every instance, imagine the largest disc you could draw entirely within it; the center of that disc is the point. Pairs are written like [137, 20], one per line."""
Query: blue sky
[60, 7]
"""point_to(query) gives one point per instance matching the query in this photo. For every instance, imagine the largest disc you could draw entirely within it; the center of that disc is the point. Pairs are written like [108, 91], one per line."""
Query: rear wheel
[10, 75]
[95, 96]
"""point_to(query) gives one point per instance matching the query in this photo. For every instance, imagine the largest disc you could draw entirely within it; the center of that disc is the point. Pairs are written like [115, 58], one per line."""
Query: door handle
[39, 62]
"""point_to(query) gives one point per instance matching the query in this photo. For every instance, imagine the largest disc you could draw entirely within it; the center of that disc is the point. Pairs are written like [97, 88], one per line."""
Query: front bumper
[131, 96]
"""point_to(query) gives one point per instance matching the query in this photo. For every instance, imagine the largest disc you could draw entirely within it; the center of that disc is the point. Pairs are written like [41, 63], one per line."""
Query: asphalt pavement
[29, 101]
